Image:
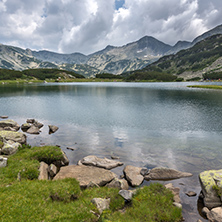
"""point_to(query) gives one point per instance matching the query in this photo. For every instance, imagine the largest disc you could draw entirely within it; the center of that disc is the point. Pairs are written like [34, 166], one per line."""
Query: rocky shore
[93, 171]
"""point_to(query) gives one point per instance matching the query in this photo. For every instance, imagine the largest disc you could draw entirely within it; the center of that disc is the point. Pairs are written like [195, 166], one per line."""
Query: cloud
[90, 25]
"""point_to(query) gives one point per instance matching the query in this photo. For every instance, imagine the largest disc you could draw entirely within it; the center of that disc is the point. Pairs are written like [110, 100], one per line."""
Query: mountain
[116, 60]
[204, 57]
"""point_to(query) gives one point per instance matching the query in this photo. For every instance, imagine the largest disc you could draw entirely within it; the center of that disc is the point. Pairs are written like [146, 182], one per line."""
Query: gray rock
[126, 194]
[9, 123]
[4, 117]
[162, 173]
[208, 180]
[38, 124]
[8, 128]
[10, 147]
[99, 162]
[101, 204]
[191, 194]
[215, 215]
[120, 184]
[177, 205]
[91, 185]
[3, 161]
[86, 174]
[144, 171]
[25, 126]
[43, 171]
[133, 175]
[33, 130]
[14, 136]
[205, 211]
[52, 129]
[175, 191]
[52, 170]
[30, 121]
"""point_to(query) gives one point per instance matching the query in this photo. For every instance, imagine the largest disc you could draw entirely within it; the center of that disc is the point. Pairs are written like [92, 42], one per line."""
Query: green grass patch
[206, 86]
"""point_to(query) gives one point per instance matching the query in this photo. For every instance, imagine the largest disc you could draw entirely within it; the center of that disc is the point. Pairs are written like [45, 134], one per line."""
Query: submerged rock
[14, 136]
[162, 173]
[133, 175]
[175, 191]
[208, 180]
[99, 162]
[86, 174]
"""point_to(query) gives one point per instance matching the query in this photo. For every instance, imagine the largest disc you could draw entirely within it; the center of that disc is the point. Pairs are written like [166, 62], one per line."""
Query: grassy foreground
[29, 199]
[206, 86]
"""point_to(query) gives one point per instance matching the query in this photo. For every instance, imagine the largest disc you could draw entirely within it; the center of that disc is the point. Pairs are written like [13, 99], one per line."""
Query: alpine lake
[144, 124]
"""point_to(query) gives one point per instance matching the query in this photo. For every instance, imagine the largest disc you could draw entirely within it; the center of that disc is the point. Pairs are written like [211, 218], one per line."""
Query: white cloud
[89, 25]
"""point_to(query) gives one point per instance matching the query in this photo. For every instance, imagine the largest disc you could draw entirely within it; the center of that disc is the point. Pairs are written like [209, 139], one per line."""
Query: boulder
[215, 215]
[120, 184]
[3, 161]
[14, 136]
[208, 180]
[86, 174]
[10, 147]
[38, 124]
[175, 191]
[25, 126]
[33, 130]
[162, 173]
[126, 194]
[4, 117]
[101, 204]
[99, 162]
[9, 123]
[52, 128]
[52, 170]
[43, 171]
[30, 121]
[133, 175]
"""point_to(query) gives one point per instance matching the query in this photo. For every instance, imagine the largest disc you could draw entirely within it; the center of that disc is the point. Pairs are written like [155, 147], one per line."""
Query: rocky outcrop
[9, 125]
[208, 181]
[161, 173]
[10, 147]
[101, 204]
[133, 175]
[86, 174]
[98, 162]
[14, 136]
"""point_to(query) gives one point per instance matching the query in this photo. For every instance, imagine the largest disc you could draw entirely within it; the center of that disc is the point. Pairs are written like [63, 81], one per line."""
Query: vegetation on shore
[28, 199]
[206, 86]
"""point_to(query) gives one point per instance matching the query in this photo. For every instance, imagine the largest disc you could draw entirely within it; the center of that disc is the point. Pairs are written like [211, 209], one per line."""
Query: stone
[179, 205]
[208, 180]
[99, 162]
[10, 147]
[175, 191]
[52, 170]
[52, 129]
[215, 215]
[101, 204]
[3, 161]
[126, 194]
[120, 184]
[25, 126]
[162, 173]
[4, 117]
[9, 123]
[65, 160]
[144, 171]
[14, 136]
[205, 211]
[38, 124]
[43, 171]
[30, 121]
[133, 175]
[91, 185]
[33, 130]
[86, 174]
[191, 194]
[8, 128]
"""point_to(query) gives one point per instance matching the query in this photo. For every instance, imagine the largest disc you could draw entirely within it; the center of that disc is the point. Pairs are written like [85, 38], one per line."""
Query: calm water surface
[145, 124]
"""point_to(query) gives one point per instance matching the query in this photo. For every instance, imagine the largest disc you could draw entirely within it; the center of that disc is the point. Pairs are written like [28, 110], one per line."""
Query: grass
[29, 199]
[206, 86]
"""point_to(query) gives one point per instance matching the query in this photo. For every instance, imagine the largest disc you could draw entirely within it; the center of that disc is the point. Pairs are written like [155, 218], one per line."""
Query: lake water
[145, 124]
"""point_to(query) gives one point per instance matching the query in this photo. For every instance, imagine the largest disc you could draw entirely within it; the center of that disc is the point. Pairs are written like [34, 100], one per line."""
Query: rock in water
[33, 130]
[14, 136]
[133, 175]
[52, 129]
[98, 162]
[9, 124]
[86, 174]
[208, 180]
[162, 173]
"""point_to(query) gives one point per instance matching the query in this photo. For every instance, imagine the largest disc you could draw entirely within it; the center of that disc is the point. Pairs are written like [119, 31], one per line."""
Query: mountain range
[116, 60]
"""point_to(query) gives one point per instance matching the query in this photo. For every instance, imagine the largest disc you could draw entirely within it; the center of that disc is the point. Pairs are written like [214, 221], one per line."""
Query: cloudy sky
[86, 26]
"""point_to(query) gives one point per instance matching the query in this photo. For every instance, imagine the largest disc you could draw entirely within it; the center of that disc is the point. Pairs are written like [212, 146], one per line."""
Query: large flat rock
[162, 173]
[99, 162]
[208, 180]
[14, 136]
[86, 175]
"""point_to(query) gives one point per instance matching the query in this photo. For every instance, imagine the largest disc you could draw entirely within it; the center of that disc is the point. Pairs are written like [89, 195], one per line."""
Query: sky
[86, 26]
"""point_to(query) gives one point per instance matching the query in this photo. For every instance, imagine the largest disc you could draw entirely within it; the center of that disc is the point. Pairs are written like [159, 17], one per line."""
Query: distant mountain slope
[204, 56]
[116, 60]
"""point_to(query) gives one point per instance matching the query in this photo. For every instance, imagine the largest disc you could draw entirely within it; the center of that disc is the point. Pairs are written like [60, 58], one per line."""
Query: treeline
[40, 74]
[212, 76]
[151, 76]
[108, 76]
